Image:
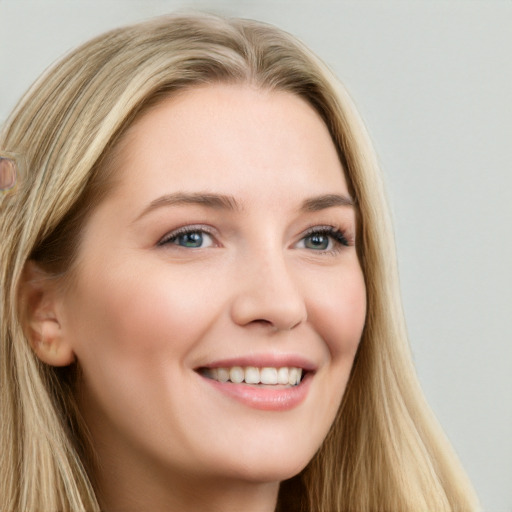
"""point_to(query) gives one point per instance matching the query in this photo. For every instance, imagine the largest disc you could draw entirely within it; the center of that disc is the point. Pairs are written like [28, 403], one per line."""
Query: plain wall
[433, 82]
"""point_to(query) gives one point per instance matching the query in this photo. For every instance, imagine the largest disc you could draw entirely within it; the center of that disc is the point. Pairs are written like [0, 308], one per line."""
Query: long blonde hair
[385, 451]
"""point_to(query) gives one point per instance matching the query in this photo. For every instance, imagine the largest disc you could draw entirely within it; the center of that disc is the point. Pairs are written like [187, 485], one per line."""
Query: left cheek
[339, 314]
[337, 311]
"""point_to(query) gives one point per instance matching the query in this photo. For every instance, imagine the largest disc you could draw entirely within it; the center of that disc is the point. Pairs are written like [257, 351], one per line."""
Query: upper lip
[264, 361]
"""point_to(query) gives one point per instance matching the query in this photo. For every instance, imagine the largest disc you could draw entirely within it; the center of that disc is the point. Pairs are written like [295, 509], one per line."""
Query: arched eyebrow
[214, 201]
[315, 204]
[226, 202]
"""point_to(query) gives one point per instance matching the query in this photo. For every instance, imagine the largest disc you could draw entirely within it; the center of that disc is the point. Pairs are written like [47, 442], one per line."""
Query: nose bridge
[268, 291]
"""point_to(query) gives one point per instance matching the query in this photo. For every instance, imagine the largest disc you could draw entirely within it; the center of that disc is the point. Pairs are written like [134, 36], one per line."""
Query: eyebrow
[214, 201]
[318, 203]
[226, 202]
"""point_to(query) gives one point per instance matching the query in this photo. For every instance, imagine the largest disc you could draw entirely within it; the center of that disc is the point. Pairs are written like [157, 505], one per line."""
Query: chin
[269, 467]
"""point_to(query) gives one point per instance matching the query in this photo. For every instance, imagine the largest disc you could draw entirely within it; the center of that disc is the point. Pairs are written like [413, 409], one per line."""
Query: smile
[289, 376]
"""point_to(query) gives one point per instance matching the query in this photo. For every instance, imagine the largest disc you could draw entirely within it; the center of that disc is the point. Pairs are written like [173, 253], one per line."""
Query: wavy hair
[384, 452]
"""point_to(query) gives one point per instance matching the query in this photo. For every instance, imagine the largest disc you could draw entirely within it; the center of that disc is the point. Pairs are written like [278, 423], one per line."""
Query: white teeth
[236, 374]
[290, 376]
[268, 376]
[252, 375]
[294, 376]
[222, 375]
[282, 375]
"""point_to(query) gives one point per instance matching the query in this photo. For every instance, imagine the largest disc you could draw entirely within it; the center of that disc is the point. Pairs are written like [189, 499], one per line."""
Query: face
[226, 251]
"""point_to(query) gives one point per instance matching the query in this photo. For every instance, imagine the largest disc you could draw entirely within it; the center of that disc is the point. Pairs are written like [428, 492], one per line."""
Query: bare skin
[228, 242]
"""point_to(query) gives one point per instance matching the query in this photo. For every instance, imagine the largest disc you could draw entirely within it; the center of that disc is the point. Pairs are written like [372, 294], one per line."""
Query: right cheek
[159, 314]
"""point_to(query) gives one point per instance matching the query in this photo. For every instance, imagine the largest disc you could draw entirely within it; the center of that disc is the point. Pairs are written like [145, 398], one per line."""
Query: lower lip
[265, 398]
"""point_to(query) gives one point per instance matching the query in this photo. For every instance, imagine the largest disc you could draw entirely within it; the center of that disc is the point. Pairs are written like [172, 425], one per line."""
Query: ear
[40, 302]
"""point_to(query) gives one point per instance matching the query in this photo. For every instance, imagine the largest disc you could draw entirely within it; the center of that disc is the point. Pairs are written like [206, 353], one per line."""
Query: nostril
[262, 322]
[269, 325]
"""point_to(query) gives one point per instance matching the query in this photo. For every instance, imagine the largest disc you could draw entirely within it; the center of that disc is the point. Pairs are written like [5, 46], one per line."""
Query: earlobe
[39, 301]
[49, 345]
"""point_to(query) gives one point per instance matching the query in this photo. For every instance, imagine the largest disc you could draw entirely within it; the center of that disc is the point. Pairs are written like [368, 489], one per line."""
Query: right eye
[189, 238]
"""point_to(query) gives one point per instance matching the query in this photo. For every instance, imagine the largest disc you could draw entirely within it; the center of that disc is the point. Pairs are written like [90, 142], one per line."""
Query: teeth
[222, 375]
[236, 374]
[293, 375]
[268, 376]
[282, 375]
[251, 375]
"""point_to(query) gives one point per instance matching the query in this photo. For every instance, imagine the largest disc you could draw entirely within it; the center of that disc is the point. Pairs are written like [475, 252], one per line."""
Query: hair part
[385, 450]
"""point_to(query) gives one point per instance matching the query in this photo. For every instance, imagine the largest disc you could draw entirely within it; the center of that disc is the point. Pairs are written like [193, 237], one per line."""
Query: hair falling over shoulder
[385, 451]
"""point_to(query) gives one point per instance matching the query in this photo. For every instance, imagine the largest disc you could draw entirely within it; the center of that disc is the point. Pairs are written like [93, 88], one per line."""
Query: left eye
[318, 241]
[192, 239]
[323, 240]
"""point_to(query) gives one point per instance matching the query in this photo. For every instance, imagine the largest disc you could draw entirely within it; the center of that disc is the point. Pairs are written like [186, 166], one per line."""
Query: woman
[200, 307]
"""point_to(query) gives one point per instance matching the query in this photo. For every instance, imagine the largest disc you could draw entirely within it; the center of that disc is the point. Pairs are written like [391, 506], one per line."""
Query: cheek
[338, 310]
[132, 337]
[133, 325]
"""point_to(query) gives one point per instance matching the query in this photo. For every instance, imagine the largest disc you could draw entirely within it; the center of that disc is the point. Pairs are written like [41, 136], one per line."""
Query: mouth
[288, 376]
[266, 382]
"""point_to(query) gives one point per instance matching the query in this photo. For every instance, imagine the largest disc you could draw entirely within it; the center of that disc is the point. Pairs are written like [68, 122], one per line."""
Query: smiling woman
[199, 299]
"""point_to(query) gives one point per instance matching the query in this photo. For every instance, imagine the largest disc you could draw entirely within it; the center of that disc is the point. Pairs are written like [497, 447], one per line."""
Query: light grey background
[433, 80]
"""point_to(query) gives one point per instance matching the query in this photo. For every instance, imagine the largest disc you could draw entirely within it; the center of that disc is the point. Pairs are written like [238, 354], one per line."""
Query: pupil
[318, 242]
[191, 239]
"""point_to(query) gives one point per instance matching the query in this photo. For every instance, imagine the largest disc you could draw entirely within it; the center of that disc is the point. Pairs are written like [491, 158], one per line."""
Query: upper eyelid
[320, 228]
[331, 231]
[327, 229]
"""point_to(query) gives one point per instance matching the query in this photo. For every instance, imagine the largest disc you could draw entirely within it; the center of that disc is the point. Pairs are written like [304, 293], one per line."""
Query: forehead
[230, 136]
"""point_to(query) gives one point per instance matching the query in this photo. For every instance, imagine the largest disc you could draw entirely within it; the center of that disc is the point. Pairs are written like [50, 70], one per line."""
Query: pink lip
[266, 398]
[271, 398]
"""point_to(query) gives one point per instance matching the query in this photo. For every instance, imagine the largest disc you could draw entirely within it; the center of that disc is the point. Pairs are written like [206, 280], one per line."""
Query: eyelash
[187, 230]
[336, 235]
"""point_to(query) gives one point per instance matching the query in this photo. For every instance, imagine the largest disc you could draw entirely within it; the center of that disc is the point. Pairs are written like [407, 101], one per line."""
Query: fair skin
[228, 241]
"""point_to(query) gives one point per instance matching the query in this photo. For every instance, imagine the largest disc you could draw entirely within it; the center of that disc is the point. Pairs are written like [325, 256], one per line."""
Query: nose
[267, 294]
